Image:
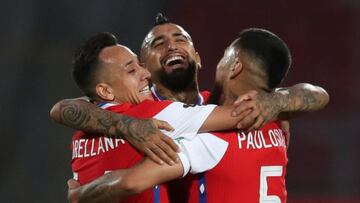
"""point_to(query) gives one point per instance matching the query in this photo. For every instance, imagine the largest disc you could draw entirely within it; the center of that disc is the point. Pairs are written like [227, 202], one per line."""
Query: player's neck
[236, 89]
[190, 95]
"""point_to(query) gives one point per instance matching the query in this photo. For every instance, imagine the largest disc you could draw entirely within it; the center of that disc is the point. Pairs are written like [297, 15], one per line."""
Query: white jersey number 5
[268, 171]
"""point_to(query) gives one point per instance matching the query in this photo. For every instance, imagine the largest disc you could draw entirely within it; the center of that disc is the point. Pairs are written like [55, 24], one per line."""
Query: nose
[171, 45]
[145, 75]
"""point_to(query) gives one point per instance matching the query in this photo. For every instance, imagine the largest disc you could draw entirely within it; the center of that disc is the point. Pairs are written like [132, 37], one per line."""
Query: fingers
[73, 190]
[243, 106]
[163, 125]
[149, 153]
[285, 126]
[287, 138]
[157, 146]
[72, 184]
[259, 122]
[249, 119]
[169, 152]
[171, 143]
[247, 96]
[241, 118]
[242, 98]
[157, 150]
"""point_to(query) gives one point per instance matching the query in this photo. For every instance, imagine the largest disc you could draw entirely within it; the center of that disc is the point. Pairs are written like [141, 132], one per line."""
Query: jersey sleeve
[186, 120]
[202, 153]
[199, 152]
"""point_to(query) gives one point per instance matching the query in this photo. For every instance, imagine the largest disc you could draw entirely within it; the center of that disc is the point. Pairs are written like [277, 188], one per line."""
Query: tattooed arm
[284, 103]
[117, 185]
[302, 97]
[143, 134]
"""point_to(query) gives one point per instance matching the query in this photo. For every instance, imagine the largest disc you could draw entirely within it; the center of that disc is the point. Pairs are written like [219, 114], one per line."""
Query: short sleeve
[186, 120]
[202, 153]
[199, 151]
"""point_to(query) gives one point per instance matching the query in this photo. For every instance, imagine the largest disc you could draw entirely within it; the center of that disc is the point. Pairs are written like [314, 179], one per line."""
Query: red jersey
[252, 170]
[94, 155]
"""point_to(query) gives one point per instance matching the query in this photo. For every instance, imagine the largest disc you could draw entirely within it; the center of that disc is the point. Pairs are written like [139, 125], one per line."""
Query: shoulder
[145, 109]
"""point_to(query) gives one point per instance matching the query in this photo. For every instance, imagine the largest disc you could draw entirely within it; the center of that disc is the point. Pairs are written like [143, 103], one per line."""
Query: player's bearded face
[169, 54]
[178, 79]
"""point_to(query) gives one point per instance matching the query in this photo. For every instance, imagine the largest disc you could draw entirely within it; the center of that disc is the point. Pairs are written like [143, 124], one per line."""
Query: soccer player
[169, 54]
[111, 74]
[163, 41]
[253, 168]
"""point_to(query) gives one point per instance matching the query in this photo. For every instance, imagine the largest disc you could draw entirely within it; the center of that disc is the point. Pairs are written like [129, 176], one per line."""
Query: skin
[173, 39]
[232, 72]
[122, 71]
[292, 101]
[123, 80]
[82, 115]
[163, 42]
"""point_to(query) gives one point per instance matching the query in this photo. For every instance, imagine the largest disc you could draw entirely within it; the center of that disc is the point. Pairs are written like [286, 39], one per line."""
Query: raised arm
[284, 103]
[143, 134]
[303, 97]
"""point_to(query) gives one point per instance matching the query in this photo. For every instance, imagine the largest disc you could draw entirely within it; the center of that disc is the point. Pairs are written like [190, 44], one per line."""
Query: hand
[145, 135]
[285, 126]
[246, 110]
[73, 191]
[265, 108]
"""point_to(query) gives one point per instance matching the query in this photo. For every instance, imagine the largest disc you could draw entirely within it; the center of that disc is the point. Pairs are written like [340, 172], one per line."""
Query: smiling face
[122, 78]
[170, 56]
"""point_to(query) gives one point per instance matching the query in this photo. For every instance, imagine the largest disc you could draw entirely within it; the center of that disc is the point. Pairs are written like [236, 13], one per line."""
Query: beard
[180, 79]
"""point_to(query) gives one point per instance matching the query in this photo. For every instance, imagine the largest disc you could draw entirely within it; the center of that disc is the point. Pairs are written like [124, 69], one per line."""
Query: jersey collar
[160, 98]
[105, 105]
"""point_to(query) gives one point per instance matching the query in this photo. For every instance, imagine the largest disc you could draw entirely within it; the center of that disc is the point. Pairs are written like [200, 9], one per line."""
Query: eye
[142, 65]
[132, 71]
[180, 40]
[158, 44]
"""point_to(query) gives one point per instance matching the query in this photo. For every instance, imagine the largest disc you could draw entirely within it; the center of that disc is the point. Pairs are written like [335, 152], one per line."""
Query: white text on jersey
[257, 140]
[96, 146]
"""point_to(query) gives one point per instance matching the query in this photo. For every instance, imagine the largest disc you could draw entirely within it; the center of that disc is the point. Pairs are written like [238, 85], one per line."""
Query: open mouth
[173, 62]
[145, 90]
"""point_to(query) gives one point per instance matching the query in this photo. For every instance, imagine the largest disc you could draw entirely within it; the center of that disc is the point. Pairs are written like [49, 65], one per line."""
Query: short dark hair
[160, 19]
[86, 61]
[274, 55]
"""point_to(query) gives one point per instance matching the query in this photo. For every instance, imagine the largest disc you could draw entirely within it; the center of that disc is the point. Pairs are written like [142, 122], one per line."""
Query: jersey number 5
[268, 171]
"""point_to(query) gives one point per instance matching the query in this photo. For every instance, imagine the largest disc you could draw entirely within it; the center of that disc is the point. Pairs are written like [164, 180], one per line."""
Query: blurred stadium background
[38, 38]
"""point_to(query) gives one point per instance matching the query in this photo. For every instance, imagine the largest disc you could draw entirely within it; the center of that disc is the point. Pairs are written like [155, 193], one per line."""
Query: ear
[105, 92]
[198, 59]
[236, 68]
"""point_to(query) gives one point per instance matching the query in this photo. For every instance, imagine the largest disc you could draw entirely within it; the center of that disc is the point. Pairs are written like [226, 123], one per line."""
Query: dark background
[38, 38]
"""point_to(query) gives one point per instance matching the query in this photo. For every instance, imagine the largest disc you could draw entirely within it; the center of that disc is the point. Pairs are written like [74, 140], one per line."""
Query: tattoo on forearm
[97, 193]
[139, 129]
[105, 189]
[87, 117]
[72, 115]
[303, 98]
[270, 105]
